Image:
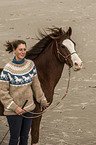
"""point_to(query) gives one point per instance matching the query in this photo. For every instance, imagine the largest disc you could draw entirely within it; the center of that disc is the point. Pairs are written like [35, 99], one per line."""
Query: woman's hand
[19, 111]
[44, 107]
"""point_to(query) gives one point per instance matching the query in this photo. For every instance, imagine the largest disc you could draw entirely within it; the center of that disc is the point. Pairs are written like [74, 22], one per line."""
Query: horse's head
[66, 51]
[65, 47]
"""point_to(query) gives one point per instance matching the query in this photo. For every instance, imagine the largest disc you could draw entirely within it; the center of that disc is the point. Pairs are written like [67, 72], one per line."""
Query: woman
[18, 83]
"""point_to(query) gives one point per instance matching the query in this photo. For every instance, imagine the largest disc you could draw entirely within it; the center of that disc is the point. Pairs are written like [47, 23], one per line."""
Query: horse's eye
[63, 46]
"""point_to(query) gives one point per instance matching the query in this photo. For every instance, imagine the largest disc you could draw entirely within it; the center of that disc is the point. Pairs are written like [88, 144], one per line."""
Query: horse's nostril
[76, 64]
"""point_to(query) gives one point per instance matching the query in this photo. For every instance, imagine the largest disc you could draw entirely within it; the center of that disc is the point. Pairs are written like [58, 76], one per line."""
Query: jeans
[19, 128]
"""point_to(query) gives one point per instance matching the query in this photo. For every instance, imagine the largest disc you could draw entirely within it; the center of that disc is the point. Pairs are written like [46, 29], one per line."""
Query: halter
[59, 53]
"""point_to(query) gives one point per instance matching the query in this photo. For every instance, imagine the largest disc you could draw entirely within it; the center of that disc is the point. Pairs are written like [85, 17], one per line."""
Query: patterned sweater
[18, 83]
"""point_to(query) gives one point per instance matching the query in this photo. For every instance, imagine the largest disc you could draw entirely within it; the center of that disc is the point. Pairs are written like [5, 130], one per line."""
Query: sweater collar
[18, 62]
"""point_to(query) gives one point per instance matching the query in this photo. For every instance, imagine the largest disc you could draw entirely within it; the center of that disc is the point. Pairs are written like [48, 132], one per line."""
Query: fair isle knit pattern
[21, 76]
[18, 83]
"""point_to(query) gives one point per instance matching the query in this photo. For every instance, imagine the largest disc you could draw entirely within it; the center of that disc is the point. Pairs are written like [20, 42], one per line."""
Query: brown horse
[49, 55]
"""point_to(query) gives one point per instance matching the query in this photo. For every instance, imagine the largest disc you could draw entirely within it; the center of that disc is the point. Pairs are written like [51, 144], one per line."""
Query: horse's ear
[69, 32]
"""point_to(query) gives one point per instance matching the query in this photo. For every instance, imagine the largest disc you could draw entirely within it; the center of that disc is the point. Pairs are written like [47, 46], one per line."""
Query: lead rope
[46, 110]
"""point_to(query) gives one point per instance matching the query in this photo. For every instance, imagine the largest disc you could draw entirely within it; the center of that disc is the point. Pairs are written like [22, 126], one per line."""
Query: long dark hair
[14, 44]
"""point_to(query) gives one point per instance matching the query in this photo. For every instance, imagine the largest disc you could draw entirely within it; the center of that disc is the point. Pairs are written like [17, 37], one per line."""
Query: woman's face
[20, 52]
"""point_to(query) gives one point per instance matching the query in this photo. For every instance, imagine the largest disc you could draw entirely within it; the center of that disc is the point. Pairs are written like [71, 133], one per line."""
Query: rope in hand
[38, 114]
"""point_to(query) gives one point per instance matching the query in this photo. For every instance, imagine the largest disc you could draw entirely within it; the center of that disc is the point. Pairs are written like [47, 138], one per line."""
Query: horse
[50, 54]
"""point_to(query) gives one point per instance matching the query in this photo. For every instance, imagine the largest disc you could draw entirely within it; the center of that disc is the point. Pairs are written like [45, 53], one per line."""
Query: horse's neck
[49, 71]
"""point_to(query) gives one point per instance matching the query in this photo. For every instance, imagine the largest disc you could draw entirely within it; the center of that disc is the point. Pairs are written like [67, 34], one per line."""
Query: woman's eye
[22, 49]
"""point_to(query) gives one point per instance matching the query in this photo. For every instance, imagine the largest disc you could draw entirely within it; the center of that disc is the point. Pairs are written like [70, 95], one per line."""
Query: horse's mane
[44, 41]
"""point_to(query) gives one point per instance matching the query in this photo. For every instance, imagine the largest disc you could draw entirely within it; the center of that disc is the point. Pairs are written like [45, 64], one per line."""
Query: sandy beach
[73, 121]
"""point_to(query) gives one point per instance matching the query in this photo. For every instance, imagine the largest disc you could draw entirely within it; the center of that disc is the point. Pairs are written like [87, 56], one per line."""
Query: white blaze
[77, 63]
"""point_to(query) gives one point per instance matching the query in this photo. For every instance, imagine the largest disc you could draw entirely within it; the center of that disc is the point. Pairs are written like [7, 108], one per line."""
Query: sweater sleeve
[5, 96]
[37, 90]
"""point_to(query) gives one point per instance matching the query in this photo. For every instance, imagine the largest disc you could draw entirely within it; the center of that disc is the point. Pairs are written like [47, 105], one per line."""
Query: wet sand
[73, 121]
